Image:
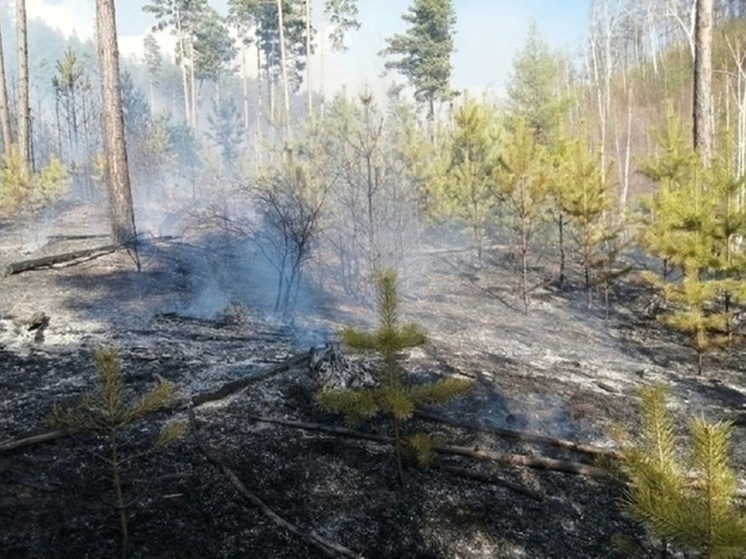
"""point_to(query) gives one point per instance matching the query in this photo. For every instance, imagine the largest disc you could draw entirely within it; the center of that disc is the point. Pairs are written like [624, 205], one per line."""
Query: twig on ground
[521, 435]
[231, 387]
[537, 462]
[330, 548]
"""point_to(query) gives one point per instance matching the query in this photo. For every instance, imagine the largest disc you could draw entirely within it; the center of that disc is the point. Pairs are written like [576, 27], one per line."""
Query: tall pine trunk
[4, 108]
[703, 133]
[117, 172]
[309, 90]
[182, 66]
[24, 110]
[283, 63]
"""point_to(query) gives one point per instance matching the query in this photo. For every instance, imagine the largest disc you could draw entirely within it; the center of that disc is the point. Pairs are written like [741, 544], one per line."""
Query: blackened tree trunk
[4, 108]
[702, 110]
[112, 120]
[24, 110]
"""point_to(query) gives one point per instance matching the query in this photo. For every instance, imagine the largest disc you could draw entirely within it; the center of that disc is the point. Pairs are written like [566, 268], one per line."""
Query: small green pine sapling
[391, 395]
[107, 412]
[686, 498]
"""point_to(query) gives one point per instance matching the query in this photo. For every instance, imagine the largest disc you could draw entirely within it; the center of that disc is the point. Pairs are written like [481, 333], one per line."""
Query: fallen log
[65, 238]
[237, 385]
[224, 391]
[14, 444]
[326, 546]
[537, 462]
[589, 449]
[54, 259]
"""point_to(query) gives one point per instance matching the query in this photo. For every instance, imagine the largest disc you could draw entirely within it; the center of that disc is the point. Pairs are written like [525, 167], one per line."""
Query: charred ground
[558, 370]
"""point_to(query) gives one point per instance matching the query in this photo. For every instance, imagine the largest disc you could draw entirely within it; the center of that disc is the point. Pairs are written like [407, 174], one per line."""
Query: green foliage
[214, 48]
[423, 53]
[106, 410]
[183, 144]
[175, 14]
[533, 89]
[693, 223]
[342, 15]
[689, 500]
[523, 181]
[584, 195]
[72, 90]
[380, 164]
[227, 129]
[153, 57]
[257, 22]
[50, 182]
[392, 396]
[422, 446]
[21, 190]
[136, 109]
[467, 188]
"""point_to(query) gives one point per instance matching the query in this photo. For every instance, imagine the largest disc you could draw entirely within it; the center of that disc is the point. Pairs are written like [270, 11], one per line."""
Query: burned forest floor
[199, 314]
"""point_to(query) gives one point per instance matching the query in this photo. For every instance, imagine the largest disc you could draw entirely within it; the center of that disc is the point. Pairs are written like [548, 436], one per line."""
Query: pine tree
[106, 411]
[533, 92]
[391, 396]
[214, 48]
[584, 198]
[691, 224]
[467, 188]
[342, 15]
[121, 206]
[153, 63]
[523, 180]
[181, 17]
[689, 500]
[423, 52]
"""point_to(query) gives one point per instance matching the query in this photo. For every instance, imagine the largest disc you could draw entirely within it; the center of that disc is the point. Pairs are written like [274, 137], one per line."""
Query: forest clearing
[241, 316]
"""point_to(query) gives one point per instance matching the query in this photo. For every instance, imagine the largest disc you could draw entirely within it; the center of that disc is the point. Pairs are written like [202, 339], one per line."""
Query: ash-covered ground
[559, 370]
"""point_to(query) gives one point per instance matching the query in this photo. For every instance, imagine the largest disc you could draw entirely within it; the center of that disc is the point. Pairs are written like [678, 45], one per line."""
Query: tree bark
[120, 194]
[702, 109]
[4, 108]
[24, 110]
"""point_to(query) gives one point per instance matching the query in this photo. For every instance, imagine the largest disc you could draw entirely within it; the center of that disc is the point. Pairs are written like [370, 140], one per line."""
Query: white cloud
[68, 16]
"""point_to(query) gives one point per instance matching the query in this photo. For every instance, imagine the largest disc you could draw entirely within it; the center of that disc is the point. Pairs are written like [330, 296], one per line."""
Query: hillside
[557, 371]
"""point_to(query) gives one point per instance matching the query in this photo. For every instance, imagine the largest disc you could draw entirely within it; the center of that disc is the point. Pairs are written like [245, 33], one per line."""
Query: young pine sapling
[391, 396]
[107, 412]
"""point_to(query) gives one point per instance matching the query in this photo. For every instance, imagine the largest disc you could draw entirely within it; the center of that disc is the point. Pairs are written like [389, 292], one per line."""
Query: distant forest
[636, 147]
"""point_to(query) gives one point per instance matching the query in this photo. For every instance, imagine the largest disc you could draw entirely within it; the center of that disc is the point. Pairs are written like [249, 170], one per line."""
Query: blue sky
[488, 35]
